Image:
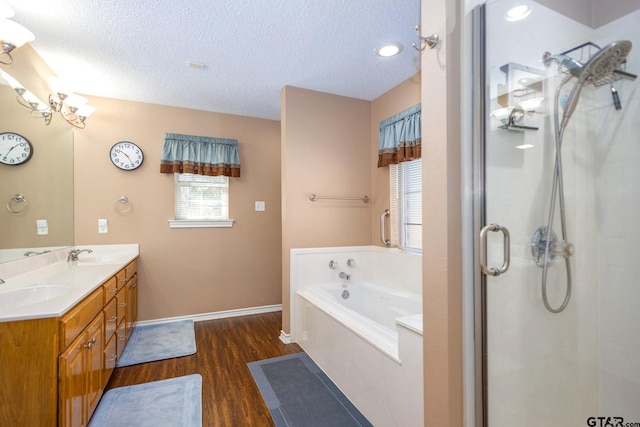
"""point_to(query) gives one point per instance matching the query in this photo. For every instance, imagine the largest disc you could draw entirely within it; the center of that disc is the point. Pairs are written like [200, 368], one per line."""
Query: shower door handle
[483, 250]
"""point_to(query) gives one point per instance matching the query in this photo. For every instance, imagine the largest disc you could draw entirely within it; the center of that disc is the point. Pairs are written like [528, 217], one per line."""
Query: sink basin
[32, 295]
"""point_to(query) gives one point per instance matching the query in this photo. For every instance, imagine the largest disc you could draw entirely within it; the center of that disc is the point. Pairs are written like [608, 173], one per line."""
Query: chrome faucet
[73, 254]
[344, 275]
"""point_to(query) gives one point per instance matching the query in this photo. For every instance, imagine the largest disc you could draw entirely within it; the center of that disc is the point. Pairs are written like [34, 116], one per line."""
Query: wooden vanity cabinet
[53, 371]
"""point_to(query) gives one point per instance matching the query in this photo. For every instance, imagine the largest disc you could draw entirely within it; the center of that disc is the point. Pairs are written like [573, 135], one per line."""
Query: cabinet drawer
[131, 269]
[74, 321]
[110, 289]
[110, 318]
[121, 278]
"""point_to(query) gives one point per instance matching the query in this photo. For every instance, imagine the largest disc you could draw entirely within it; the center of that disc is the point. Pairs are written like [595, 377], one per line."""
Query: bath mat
[298, 393]
[176, 402]
[159, 341]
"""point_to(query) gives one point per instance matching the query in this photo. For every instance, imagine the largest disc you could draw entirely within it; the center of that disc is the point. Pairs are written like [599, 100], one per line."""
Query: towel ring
[17, 204]
[121, 205]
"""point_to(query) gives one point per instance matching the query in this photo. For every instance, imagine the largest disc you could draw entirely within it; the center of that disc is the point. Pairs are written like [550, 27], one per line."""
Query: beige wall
[401, 97]
[325, 150]
[183, 271]
[441, 199]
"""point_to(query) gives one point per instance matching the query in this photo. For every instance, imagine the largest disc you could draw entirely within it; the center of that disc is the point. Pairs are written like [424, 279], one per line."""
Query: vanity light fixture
[518, 13]
[389, 49]
[28, 99]
[73, 108]
[12, 36]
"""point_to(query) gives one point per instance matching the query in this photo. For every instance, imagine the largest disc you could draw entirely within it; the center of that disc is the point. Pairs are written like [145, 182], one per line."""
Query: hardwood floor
[230, 397]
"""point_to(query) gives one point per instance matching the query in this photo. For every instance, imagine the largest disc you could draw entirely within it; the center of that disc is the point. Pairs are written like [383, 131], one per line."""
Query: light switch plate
[260, 206]
[103, 226]
[42, 227]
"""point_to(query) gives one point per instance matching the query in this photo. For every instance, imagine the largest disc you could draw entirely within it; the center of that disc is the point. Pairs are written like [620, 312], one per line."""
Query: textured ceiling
[139, 50]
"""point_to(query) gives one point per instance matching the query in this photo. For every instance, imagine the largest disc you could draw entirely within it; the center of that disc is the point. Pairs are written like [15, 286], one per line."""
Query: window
[201, 201]
[406, 205]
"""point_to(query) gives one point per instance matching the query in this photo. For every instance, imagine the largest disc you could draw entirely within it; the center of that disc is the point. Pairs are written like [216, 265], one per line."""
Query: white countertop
[75, 279]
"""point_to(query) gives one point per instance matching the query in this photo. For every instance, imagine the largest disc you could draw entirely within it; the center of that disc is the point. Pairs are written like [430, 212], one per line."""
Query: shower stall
[557, 224]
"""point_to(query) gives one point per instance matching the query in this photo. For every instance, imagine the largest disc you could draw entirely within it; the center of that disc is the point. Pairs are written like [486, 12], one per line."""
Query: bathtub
[369, 343]
[370, 311]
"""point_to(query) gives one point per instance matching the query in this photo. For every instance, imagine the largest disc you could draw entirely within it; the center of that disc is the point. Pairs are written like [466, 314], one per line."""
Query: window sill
[191, 223]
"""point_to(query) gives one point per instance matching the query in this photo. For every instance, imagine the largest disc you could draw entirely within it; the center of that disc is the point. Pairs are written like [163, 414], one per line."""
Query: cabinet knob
[113, 319]
[114, 290]
[90, 343]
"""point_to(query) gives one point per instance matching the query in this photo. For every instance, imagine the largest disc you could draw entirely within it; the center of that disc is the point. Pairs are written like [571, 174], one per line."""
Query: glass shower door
[562, 323]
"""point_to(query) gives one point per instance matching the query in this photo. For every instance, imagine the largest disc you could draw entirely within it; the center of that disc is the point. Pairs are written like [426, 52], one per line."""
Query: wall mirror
[45, 182]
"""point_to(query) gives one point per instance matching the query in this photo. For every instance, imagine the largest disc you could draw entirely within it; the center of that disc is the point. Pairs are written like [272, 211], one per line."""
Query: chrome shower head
[605, 61]
[597, 70]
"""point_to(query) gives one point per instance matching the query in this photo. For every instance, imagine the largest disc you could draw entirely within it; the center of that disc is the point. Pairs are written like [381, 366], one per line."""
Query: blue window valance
[400, 137]
[200, 155]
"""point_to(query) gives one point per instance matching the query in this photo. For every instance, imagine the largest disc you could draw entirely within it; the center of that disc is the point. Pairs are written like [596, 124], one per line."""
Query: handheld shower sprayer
[598, 68]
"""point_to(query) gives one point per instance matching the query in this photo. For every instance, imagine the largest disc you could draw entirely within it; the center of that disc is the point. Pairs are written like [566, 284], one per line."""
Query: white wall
[617, 175]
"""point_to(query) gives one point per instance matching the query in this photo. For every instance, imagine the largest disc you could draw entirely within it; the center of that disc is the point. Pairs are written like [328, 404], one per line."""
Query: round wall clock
[126, 155]
[14, 149]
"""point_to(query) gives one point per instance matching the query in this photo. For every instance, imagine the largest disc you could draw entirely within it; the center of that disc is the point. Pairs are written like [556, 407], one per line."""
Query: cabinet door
[110, 357]
[121, 339]
[94, 354]
[132, 303]
[73, 384]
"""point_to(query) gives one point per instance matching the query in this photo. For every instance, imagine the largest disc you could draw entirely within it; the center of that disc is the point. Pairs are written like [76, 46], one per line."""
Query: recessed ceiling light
[518, 12]
[390, 49]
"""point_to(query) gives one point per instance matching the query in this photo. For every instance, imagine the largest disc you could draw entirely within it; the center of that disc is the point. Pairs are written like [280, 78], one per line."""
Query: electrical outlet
[260, 206]
[103, 226]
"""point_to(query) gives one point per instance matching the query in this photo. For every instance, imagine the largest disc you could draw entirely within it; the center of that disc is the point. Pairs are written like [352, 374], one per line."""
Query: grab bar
[384, 241]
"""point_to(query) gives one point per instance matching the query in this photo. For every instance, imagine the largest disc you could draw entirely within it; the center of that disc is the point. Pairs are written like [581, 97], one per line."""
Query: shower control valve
[556, 247]
[333, 264]
[351, 263]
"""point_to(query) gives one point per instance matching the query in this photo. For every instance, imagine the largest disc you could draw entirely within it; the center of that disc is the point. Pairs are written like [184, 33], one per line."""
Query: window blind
[200, 197]
[406, 205]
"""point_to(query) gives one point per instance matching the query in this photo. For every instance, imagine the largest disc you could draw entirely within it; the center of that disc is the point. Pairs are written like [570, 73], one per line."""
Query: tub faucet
[73, 254]
[344, 275]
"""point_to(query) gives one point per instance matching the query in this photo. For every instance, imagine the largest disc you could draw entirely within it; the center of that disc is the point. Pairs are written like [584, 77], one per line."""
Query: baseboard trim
[285, 337]
[216, 314]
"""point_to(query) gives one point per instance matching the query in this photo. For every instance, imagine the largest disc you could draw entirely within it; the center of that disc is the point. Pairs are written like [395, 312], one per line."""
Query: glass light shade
[6, 11]
[14, 33]
[85, 111]
[75, 101]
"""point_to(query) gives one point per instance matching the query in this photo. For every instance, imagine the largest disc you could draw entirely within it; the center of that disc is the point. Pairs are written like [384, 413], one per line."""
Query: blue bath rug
[176, 402]
[159, 341]
[298, 393]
